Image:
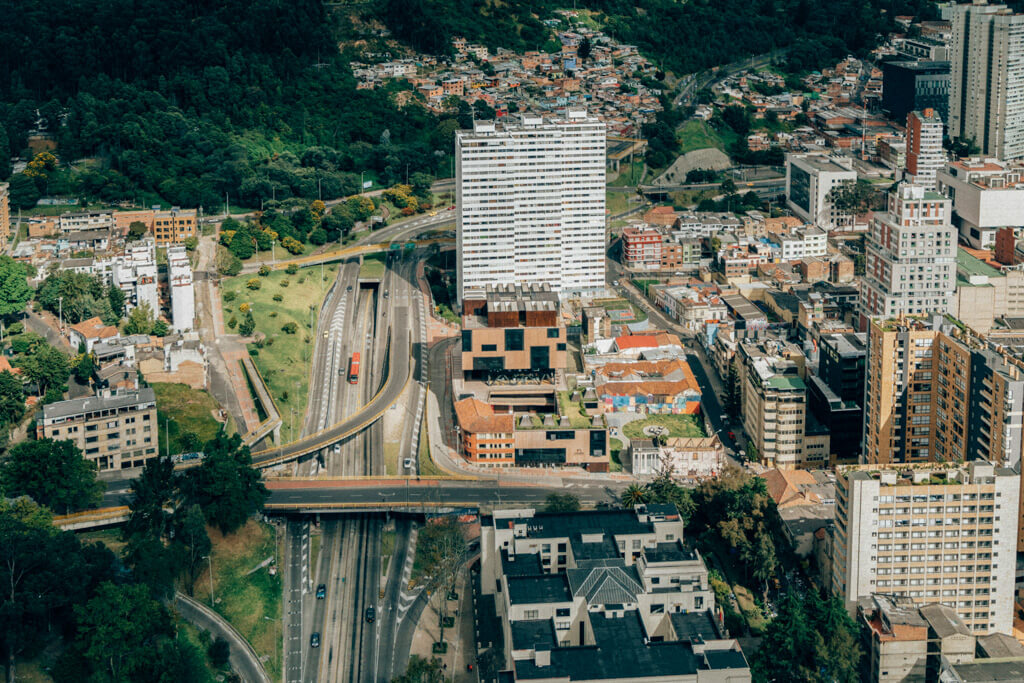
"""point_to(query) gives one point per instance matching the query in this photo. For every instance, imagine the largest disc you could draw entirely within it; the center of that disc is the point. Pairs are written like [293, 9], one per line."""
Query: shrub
[233, 323]
[273, 314]
[264, 270]
[254, 284]
[284, 283]
[302, 279]
[269, 341]
[244, 307]
[278, 297]
[289, 328]
[230, 296]
[291, 269]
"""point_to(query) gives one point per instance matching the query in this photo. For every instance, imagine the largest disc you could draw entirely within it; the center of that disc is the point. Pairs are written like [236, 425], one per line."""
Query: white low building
[180, 288]
[987, 195]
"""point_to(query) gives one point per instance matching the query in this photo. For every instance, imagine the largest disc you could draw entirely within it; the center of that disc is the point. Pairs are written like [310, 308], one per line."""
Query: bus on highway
[353, 369]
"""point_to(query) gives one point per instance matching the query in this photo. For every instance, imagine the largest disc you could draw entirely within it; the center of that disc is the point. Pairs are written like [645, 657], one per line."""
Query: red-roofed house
[89, 332]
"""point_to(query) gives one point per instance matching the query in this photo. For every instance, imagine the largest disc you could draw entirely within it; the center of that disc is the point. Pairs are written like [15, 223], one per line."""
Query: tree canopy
[224, 485]
[52, 473]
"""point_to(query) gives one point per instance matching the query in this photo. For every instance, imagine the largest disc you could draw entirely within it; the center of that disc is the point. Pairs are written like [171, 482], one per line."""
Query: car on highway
[386, 293]
[314, 640]
[337, 448]
[408, 464]
[432, 213]
[349, 289]
[325, 334]
[321, 592]
[371, 615]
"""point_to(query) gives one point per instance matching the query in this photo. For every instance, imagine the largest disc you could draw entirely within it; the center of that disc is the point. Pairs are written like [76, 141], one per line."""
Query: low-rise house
[649, 387]
[89, 332]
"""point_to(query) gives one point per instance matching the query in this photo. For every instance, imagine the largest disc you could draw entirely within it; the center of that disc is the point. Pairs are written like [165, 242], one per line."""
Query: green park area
[697, 134]
[283, 307]
[186, 417]
[677, 426]
[244, 592]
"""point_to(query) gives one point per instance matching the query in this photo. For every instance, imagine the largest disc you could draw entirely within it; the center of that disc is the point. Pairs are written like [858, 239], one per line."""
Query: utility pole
[60, 314]
[227, 206]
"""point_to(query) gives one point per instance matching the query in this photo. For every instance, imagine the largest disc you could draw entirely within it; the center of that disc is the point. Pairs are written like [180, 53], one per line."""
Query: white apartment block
[934, 533]
[811, 242]
[179, 284]
[135, 273]
[911, 256]
[85, 220]
[809, 179]
[987, 195]
[986, 94]
[531, 203]
[925, 155]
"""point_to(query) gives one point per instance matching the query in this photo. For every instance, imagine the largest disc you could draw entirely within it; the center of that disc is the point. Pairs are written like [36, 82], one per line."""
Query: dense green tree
[152, 493]
[444, 549]
[154, 563]
[24, 193]
[634, 495]
[47, 366]
[219, 652]
[561, 502]
[12, 398]
[224, 485]
[140, 320]
[421, 670]
[84, 366]
[14, 289]
[76, 296]
[5, 154]
[193, 542]
[118, 631]
[732, 397]
[43, 571]
[811, 640]
[115, 297]
[53, 473]
[584, 48]
[248, 324]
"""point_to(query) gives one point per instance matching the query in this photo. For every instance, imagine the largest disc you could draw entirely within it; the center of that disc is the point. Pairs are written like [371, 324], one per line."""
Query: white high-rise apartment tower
[986, 93]
[911, 256]
[531, 203]
[925, 155]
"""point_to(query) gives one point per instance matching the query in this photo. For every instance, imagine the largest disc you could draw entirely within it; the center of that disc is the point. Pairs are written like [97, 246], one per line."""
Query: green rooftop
[787, 382]
[973, 266]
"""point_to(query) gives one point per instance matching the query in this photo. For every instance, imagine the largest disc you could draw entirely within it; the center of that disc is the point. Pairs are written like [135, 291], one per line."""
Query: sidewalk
[461, 640]
[436, 329]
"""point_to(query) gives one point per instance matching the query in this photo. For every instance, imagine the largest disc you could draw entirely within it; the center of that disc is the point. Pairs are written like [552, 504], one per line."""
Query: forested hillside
[682, 36]
[190, 100]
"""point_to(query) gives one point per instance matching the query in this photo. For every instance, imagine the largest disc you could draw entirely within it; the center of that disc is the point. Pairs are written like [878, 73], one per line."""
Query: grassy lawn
[372, 266]
[427, 466]
[696, 134]
[615, 450]
[391, 450]
[183, 409]
[387, 549]
[677, 425]
[574, 411]
[284, 359]
[245, 599]
[628, 176]
[619, 202]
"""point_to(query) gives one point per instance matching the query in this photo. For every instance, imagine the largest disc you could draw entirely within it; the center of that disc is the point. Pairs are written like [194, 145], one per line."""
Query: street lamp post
[209, 558]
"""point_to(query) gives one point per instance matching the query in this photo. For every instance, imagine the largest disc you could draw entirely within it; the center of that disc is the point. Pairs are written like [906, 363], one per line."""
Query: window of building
[513, 340]
[552, 333]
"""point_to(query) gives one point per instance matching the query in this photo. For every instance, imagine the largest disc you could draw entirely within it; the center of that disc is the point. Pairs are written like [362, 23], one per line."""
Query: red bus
[353, 369]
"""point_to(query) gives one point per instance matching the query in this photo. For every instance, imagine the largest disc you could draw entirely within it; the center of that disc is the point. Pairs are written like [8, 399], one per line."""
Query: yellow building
[174, 226]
